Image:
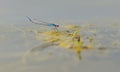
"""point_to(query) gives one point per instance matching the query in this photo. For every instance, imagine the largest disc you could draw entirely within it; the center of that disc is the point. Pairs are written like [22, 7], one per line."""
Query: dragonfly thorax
[53, 25]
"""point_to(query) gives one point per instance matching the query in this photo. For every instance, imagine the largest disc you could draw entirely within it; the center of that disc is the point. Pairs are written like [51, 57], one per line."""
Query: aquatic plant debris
[65, 40]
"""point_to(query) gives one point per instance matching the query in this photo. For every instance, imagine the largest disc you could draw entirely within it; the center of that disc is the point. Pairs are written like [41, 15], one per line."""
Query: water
[16, 42]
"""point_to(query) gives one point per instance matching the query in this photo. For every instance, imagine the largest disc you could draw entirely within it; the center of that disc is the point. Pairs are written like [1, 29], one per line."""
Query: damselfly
[52, 25]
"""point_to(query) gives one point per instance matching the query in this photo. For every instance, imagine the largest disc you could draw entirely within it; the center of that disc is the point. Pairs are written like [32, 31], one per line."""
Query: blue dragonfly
[52, 25]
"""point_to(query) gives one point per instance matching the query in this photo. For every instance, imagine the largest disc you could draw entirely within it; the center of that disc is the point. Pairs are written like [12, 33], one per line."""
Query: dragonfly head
[56, 25]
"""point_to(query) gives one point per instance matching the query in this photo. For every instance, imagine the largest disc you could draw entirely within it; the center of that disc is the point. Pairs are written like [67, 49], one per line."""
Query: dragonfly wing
[42, 23]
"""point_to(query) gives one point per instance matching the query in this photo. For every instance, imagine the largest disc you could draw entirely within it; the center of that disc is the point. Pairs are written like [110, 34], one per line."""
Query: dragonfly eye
[57, 26]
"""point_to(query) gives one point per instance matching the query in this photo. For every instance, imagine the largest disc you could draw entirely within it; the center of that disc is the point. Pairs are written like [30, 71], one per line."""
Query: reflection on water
[20, 51]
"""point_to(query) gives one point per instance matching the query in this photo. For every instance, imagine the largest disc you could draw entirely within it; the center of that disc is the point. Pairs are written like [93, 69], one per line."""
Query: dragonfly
[52, 25]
